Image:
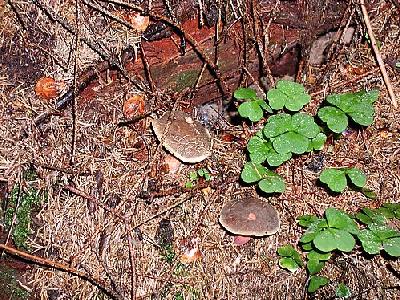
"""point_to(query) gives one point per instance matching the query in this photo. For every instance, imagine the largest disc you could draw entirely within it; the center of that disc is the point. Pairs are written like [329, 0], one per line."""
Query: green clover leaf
[307, 220]
[356, 176]
[293, 134]
[394, 209]
[343, 291]
[291, 259]
[318, 142]
[335, 118]
[258, 149]
[277, 125]
[272, 183]
[316, 255]
[313, 230]
[316, 282]
[275, 159]
[288, 263]
[253, 172]
[314, 266]
[362, 114]
[383, 232]
[370, 242]
[392, 246]
[337, 181]
[291, 142]
[334, 178]
[251, 110]
[332, 239]
[193, 176]
[245, 94]
[288, 94]
[269, 182]
[370, 194]
[261, 150]
[307, 246]
[305, 125]
[340, 220]
[359, 105]
[369, 216]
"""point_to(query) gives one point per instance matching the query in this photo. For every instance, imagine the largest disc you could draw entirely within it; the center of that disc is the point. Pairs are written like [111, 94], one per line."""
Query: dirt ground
[112, 213]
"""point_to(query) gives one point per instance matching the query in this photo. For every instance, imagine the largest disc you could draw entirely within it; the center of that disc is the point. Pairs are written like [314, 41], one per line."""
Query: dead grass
[111, 163]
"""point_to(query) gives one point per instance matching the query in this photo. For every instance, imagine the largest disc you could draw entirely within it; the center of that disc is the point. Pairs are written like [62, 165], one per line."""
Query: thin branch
[147, 72]
[132, 258]
[59, 266]
[165, 210]
[94, 200]
[378, 54]
[343, 83]
[75, 92]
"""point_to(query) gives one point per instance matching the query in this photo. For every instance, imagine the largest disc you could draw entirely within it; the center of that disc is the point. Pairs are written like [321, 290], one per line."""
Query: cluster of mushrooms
[189, 141]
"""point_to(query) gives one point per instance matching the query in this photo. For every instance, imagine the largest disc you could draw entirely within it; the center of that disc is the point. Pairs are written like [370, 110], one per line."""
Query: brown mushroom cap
[249, 216]
[185, 138]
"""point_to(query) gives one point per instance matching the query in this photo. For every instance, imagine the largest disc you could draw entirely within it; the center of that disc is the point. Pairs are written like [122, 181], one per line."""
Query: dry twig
[132, 258]
[94, 200]
[343, 83]
[378, 54]
[59, 266]
[128, 229]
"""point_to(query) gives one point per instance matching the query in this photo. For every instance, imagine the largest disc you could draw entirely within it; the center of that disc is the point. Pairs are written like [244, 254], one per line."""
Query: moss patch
[20, 205]
[184, 79]
[9, 286]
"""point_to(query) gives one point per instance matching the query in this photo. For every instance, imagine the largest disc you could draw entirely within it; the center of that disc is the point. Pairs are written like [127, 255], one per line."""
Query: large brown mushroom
[184, 137]
[249, 216]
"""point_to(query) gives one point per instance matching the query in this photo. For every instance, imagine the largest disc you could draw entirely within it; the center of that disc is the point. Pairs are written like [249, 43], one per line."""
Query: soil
[114, 212]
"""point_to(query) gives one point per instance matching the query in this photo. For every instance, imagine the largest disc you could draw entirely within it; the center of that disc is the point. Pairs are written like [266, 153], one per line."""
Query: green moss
[30, 175]
[9, 286]
[184, 80]
[168, 254]
[20, 205]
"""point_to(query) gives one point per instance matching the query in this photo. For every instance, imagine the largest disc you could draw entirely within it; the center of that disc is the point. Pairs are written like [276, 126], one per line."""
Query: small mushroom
[134, 106]
[189, 249]
[184, 137]
[249, 216]
[172, 164]
[48, 88]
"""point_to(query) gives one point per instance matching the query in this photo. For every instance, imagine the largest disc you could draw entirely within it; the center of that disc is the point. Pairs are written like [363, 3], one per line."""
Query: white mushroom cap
[185, 138]
[249, 216]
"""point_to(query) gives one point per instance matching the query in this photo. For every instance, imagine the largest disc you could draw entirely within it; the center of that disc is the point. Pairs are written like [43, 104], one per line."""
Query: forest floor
[105, 205]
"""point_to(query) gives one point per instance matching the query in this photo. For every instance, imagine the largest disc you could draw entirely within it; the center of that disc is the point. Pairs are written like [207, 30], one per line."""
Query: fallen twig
[128, 229]
[94, 200]
[343, 83]
[132, 258]
[378, 54]
[184, 198]
[75, 86]
[59, 266]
